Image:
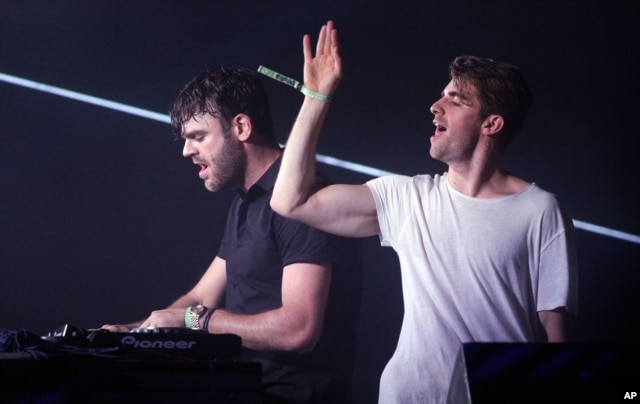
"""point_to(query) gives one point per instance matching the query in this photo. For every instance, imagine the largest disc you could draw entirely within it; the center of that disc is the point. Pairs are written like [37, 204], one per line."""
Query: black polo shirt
[258, 243]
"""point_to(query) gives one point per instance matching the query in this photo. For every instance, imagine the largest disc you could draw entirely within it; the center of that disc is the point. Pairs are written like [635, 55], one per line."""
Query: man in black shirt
[271, 280]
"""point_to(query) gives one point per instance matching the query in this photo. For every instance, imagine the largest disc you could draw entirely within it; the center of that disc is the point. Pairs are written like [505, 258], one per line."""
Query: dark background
[102, 220]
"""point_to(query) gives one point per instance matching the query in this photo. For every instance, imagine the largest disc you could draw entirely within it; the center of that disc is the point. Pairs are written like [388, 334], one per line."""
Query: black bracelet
[207, 317]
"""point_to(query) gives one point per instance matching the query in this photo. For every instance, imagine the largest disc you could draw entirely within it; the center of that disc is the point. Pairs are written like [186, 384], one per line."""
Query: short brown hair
[501, 89]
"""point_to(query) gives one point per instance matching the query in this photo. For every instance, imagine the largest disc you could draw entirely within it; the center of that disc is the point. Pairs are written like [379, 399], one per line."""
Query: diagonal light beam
[347, 165]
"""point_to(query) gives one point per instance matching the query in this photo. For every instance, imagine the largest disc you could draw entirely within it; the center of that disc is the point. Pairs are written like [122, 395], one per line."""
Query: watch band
[207, 317]
[187, 319]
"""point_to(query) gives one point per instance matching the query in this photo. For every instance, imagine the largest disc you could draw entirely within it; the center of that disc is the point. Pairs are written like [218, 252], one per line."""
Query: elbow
[303, 341]
[281, 207]
[277, 206]
[306, 345]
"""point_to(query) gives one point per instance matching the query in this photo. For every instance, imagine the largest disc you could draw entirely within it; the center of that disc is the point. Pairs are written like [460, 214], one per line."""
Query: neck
[484, 177]
[259, 159]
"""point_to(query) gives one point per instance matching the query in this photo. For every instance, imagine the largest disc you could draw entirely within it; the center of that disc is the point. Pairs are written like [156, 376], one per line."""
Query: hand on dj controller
[164, 318]
[117, 327]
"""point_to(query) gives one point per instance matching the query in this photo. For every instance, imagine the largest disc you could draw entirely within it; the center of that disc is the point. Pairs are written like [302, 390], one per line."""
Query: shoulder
[401, 194]
[401, 182]
[548, 205]
[540, 196]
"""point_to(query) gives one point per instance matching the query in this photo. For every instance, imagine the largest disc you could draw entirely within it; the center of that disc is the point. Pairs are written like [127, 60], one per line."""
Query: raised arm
[347, 210]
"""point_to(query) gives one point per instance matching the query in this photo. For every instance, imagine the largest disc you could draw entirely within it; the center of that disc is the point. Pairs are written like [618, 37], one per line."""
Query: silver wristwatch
[194, 314]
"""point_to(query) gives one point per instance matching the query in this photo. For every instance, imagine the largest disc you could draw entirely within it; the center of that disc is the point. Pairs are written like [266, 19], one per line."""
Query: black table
[72, 378]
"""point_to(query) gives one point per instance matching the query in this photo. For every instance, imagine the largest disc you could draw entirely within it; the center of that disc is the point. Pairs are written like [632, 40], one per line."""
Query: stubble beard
[227, 166]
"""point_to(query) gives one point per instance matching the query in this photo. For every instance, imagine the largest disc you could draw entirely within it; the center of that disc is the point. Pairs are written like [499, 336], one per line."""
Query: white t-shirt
[473, 270]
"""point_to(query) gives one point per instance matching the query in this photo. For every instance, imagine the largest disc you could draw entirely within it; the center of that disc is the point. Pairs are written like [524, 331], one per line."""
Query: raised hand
[322, 72]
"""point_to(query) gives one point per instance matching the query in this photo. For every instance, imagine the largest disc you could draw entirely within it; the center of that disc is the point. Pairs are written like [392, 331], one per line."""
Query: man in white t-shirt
[485, 256]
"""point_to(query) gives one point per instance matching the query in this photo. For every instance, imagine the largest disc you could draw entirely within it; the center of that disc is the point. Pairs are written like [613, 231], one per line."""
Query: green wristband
[293, 83]
[304, 90]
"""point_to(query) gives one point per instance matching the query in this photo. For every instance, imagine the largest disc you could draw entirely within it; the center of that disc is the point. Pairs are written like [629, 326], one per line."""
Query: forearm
[322, 74]
[184, 301]
[296, 178]
[557, 324]
[210, 289]
[296, 325]
[273, 330]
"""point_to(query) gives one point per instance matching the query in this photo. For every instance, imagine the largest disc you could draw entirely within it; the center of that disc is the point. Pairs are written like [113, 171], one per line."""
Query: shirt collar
[266, 182]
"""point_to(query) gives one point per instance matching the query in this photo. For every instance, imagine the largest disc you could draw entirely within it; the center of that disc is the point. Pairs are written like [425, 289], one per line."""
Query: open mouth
[439, 129]
[203, 169]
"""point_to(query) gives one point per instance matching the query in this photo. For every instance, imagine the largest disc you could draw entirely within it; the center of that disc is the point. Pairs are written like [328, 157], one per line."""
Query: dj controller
[145, 343]
[154, 365]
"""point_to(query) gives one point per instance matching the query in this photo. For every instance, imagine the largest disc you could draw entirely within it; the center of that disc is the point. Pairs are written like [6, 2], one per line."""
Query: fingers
[330, 37]
[323, 70]
[322, 40]
[164, 318]
[115, 328]
[335, 47]
[327, 42]
[306, 48]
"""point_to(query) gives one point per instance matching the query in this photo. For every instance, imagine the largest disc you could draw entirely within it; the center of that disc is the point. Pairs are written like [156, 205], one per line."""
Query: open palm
[323, 72]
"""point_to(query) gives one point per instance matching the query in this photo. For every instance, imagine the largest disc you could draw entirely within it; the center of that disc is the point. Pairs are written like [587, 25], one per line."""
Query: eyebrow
[452, 93]
[193, 133]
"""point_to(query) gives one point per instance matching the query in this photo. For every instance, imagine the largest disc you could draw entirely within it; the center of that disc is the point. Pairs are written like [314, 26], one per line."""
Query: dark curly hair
[224, 92]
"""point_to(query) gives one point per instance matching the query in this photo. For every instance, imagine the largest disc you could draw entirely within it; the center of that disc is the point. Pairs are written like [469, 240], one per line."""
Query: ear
[492, 125]
[241, 127]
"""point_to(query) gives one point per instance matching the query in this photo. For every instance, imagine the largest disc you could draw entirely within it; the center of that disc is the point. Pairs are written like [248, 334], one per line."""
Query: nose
[435, 108]
[188, 150]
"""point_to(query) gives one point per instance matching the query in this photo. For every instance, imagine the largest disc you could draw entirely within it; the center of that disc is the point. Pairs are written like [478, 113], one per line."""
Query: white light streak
[347, 165]
[594, 228]
[84, 98]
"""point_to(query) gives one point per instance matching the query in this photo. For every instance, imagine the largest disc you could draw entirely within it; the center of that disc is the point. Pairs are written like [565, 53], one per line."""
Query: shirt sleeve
[558, 285]
[298, 242]
[390, 194]
[222, 250]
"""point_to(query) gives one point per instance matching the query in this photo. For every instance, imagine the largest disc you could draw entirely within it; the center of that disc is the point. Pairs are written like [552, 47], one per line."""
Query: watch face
[197, 309]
